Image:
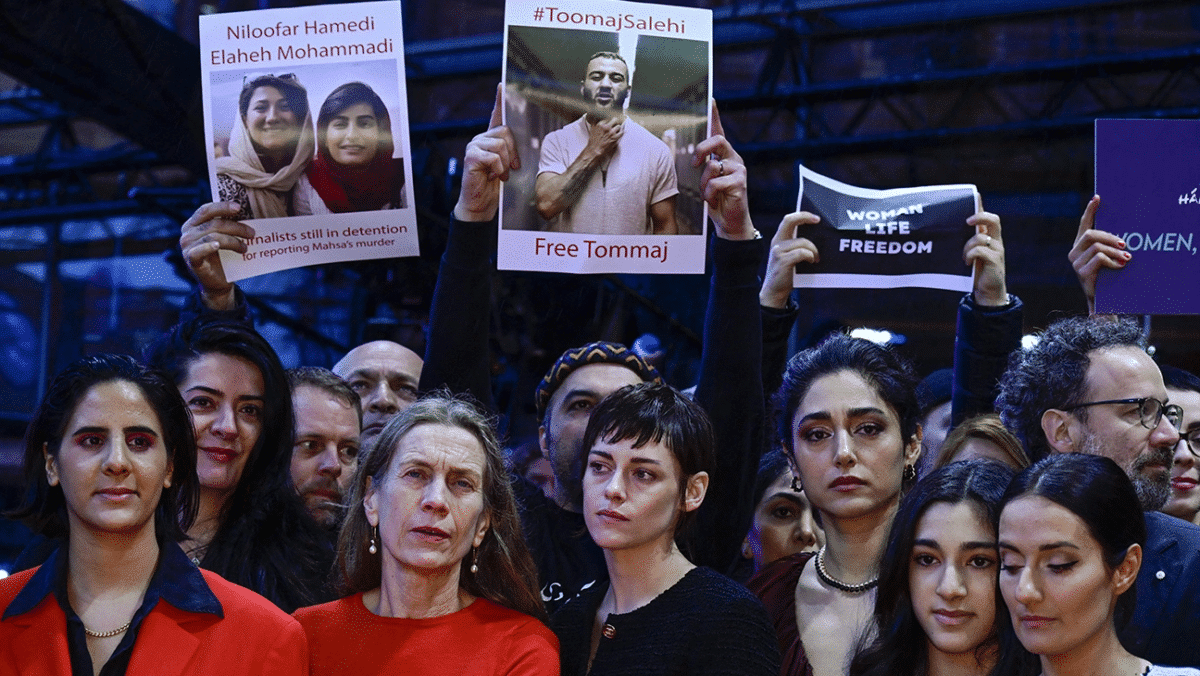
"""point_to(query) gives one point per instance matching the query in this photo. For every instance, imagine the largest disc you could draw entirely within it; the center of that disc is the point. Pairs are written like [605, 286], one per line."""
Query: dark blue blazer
[1165, 628]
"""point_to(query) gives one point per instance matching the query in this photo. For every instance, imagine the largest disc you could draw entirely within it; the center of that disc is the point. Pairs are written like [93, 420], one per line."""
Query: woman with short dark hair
[649, 452]
[432, 555]
[110, 464]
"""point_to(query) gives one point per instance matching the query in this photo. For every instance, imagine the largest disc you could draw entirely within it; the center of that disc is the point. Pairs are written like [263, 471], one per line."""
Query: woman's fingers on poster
[787, 251]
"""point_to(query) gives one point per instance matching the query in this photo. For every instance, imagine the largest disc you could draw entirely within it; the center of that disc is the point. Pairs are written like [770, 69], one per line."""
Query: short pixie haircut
[44, 507]
[891, 375]
[656, 413]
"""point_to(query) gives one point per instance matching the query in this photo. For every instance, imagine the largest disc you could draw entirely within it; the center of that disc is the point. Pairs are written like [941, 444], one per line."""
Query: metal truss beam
[105, 60]
[1012, 103]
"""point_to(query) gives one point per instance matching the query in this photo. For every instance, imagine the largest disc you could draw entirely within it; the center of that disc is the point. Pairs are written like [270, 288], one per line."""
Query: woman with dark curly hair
[110, 465]
[354, 169]
[252, 527]
[432, 555]
[848, 418]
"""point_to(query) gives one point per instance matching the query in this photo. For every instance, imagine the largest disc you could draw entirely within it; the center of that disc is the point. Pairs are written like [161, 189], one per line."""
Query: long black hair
[901, 646]
[266, 540]
[43, 507]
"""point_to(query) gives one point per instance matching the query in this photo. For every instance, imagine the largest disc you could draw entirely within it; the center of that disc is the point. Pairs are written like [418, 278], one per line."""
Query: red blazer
[253, 638]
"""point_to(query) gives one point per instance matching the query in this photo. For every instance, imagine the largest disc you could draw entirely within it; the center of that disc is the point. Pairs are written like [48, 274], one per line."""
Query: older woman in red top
[110, 464]
[440, 579]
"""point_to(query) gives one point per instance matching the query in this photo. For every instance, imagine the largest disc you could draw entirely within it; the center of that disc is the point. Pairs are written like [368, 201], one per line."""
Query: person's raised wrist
[464, 214]
[218, 299]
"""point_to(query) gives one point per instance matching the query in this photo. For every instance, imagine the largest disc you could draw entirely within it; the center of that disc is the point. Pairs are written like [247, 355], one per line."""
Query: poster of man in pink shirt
[606, 101]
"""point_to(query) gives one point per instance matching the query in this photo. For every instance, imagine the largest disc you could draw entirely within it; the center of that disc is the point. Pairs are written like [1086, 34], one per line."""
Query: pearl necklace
[108, 634]
[838, 584]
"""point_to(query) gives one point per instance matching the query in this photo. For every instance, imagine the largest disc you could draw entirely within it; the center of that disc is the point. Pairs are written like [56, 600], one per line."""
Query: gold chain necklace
[108, 634]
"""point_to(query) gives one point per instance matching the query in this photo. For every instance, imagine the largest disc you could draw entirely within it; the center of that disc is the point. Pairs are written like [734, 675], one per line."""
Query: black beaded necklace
[838, 584]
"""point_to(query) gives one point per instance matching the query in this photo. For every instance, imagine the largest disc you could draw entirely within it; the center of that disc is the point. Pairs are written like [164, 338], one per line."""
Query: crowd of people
[204, 510]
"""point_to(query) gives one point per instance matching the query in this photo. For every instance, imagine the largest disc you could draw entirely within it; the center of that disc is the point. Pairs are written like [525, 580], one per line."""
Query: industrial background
[102, 158]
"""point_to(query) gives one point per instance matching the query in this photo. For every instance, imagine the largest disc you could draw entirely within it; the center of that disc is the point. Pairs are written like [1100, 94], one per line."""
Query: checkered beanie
[602, 352]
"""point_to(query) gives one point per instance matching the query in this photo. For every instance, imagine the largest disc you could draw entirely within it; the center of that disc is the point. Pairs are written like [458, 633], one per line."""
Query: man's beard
[617, 107]
[330, 516]
[1152, 493]
[567, 465]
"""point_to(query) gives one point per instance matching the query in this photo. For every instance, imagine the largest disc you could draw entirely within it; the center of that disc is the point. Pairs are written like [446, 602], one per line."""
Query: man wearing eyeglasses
[1184, 389]
[1088, 386]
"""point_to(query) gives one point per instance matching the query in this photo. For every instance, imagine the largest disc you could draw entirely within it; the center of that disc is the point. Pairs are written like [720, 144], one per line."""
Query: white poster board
[314, 193]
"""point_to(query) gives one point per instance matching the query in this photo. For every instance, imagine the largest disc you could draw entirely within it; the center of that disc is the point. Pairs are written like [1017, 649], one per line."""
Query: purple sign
[1149, 183]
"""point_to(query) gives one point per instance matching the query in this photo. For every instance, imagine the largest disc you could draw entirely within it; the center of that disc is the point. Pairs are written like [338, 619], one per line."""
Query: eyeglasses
[1150, 409]
[1193, 438]
[1193, 441]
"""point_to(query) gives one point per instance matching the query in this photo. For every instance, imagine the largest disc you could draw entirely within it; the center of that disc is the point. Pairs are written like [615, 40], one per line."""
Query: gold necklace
[108, 634]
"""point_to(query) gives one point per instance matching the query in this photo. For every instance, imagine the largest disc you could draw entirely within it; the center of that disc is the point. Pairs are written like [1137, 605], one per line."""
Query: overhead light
[879, 336]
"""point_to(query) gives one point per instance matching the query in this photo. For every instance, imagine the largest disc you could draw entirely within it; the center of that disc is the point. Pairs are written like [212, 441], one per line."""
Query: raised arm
[456, 354]
[989, 323]
[1093, 250]
[730, 387]
[778, 311]
[211, 229]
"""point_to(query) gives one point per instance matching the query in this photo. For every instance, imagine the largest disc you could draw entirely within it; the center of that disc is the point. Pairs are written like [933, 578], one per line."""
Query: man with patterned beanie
[567, 559]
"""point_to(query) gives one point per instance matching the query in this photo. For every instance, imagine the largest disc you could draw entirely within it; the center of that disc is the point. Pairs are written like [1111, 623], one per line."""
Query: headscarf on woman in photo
[268, 151]
[359, 173]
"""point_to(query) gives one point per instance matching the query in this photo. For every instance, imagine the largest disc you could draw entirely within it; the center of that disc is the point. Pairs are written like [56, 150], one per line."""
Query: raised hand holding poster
[607, 101]
[885, 239]
[306, 120]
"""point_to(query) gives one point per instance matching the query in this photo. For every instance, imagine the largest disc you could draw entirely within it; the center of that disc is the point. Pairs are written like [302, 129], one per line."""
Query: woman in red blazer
[110, 462]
